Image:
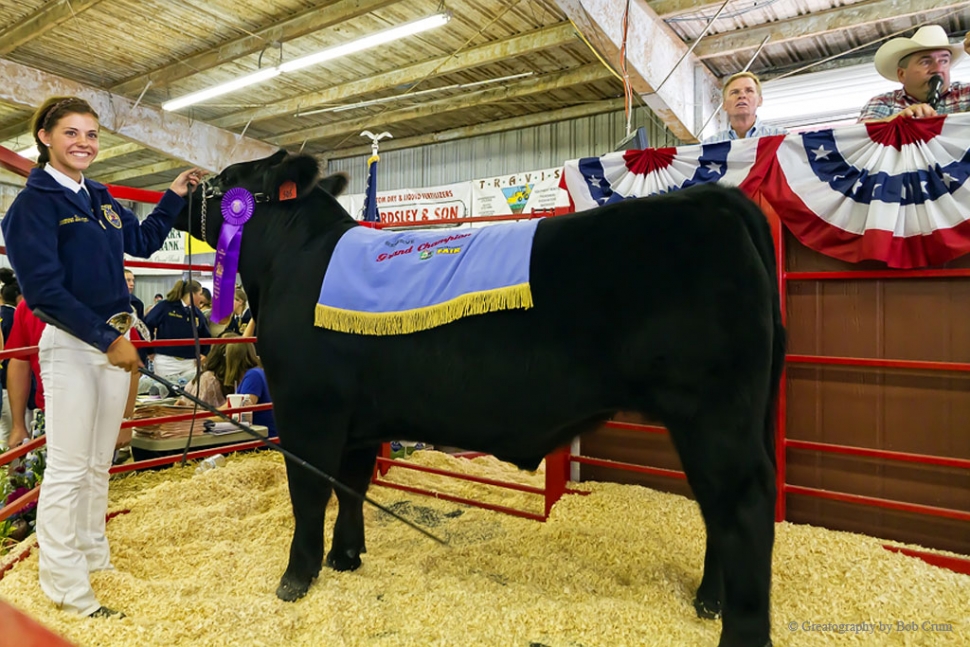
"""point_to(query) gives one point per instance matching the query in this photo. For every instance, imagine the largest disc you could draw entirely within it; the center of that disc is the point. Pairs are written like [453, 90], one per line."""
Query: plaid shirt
[955, 99]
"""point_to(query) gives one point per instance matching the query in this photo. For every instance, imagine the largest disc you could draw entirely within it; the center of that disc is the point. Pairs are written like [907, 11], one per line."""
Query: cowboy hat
[929, 37]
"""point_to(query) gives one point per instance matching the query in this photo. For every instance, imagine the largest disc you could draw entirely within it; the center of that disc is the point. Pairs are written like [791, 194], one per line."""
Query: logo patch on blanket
[392, 283]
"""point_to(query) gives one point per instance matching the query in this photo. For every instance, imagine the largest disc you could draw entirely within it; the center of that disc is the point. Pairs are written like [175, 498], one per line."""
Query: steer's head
[279, 178]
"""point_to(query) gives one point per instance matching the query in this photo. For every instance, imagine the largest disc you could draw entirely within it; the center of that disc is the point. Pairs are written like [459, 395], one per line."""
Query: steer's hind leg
[309, 494]
[709, 600]
[730, 473]
[356, 468]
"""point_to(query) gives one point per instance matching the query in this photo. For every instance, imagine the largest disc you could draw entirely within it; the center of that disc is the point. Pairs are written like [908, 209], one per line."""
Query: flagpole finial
[374, 139]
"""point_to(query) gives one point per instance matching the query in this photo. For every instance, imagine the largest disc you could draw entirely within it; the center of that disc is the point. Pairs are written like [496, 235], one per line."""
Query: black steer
[666, 306]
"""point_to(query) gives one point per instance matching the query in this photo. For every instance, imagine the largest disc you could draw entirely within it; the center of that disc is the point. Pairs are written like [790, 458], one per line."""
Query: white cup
[236, 400]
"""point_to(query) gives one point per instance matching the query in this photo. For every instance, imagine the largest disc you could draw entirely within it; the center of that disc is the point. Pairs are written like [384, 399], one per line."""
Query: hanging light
[345, 49]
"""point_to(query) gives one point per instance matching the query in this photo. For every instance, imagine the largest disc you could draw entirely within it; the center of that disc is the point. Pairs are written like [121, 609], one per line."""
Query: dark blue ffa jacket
[69, 260]
[138, 306]
[170, 320]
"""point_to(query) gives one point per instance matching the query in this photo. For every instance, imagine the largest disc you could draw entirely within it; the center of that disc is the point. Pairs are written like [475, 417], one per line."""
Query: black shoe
[105, 612]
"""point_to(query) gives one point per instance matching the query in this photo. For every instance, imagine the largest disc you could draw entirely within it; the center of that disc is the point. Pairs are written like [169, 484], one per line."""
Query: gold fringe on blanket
[408, 321]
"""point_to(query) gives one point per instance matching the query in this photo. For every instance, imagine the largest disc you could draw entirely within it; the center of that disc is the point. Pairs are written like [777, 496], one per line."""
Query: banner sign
[514, 194]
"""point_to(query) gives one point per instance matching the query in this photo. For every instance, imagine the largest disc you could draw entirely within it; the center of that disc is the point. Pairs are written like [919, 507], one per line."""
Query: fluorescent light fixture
[222, 88]
[354, 46]
[367, 42]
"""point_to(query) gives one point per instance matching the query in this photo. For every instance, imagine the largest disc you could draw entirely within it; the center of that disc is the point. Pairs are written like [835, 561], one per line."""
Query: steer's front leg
[308, 495]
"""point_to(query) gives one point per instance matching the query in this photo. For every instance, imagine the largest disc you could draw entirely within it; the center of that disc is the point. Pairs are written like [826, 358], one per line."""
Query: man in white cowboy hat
[913, 62]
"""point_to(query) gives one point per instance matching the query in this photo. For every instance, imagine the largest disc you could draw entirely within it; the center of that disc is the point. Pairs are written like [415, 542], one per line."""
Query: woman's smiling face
[73, 143]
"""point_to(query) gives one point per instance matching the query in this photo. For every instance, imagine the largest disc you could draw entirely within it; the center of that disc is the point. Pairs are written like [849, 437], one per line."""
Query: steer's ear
[296, 176]
[334, 184]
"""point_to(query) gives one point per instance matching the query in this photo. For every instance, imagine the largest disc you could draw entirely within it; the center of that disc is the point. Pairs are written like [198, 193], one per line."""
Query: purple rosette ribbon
[238, 206]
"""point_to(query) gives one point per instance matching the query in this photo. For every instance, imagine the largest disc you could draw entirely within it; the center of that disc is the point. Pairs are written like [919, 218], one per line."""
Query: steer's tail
[760, 231]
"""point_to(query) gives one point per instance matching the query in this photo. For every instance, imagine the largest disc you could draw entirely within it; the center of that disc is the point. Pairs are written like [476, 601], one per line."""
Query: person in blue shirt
[66, 238]
[170, 319]
[742, 98]
[244, 370]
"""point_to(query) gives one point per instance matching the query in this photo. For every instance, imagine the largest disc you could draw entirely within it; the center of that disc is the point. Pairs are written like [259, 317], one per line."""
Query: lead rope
[195, 327]
[290, 455]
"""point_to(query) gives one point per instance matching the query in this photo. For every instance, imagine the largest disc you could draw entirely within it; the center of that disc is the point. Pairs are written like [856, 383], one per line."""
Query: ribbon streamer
[238, 206]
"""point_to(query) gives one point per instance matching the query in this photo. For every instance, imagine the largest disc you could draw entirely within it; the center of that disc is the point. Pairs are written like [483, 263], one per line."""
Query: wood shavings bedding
[198, 559]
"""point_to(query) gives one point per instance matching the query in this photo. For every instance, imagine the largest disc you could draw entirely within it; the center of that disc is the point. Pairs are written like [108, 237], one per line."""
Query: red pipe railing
[914, 365]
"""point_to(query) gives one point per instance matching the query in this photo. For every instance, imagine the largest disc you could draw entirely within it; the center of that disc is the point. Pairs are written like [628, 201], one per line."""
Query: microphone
[933, 97]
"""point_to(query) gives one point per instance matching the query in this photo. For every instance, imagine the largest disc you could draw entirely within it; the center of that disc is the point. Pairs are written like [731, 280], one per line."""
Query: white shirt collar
[64, 180]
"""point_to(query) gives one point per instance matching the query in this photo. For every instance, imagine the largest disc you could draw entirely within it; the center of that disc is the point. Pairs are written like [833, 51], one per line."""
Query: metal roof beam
[546, 83]
[514, 123]
[498, 51]
[817, 24]
[42, 20]
[192, 142]
[148, 169]
[669, 79]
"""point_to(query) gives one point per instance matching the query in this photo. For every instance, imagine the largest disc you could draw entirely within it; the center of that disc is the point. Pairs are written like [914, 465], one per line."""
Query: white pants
[85, 401]
[172, 368]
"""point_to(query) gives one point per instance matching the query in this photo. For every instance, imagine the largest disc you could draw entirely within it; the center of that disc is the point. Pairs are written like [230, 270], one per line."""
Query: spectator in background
[9, 298]
[235, 322]
[205, 303]
[742, 98]
[135, 301]
[26, 332]
[173, 319]
[211, 386]
[913, 62]
[244, 370]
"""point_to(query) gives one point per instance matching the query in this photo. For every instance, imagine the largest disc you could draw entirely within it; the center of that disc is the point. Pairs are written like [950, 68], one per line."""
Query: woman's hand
[187, 181]
[122, 353]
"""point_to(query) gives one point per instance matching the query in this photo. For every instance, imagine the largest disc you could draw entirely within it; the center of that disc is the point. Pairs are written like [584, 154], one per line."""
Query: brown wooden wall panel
[907, 411]
[918, 319]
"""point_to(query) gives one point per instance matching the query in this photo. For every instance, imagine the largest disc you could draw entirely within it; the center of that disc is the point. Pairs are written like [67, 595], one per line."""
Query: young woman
[244, 370]
[66, 238]
[235, 322]
[211, 386]
[172, 319]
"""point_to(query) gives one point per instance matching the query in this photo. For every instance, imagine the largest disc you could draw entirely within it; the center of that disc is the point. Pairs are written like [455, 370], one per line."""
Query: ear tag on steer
[238, 206]
[288, 190]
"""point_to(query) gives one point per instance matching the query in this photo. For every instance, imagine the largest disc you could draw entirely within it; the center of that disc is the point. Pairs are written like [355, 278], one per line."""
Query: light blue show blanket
[389, 283]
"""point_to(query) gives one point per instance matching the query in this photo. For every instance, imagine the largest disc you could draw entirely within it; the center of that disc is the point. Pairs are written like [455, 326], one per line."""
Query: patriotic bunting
[896, 192]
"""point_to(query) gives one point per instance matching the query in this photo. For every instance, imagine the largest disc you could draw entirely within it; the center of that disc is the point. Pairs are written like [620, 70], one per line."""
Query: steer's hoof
[706, 609]
[291, 592]
[347, 560]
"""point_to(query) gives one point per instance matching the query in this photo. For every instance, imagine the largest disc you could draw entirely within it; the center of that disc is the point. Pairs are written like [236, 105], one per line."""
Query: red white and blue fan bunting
[895, 192]
[595, 181]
